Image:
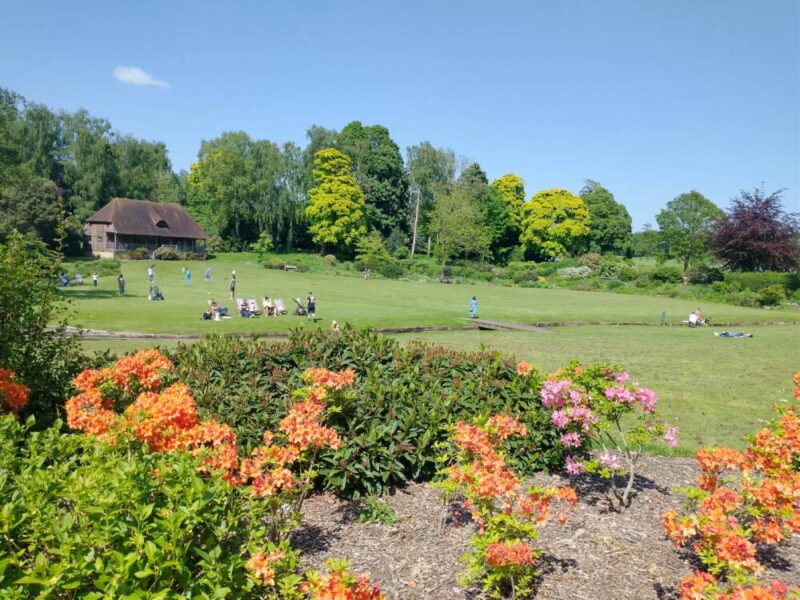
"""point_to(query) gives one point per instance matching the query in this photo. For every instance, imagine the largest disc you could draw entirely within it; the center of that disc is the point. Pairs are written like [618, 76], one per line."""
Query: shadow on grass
[92, 293]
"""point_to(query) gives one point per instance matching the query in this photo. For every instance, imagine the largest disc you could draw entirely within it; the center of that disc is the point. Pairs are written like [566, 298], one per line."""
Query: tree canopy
[510, 189]
[757, 235]
[335, 207]
[456, 222]
[555, 222]
[611, 223]
[684, 226]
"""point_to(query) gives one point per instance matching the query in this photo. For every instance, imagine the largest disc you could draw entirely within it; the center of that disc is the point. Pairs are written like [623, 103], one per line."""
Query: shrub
[108, 266]
[330, 260]
[391, 268]
[772, 295]
[166, 253]
[105, 521]
[574, 272]
[274, 263]
[390, 428]
[666, 274]
[140, 254]
[192, 256]
[32, 340]
[755, 281]
[402, 252]
[593, 260]
[748, 298]
[705, 274]
[262, 245]
[215, 244]
[743, 502]
[502, 556]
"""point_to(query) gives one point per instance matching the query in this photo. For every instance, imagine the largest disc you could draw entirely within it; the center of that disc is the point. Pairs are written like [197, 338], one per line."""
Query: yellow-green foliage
[335, 203]
[512, 190]
[554, 222]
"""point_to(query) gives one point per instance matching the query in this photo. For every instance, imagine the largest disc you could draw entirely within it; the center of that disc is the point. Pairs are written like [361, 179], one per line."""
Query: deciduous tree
[684, 226]
[611, 223]
[457, 224]
[511, 189]
[757, 235]
[555, 222]
[335, 209]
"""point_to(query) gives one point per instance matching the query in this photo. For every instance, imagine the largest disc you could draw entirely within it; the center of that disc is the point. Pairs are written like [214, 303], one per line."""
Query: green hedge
[755, 281]
[406, 399]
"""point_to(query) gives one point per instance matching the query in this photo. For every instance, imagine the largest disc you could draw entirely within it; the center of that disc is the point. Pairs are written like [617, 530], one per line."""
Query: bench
[290, 267]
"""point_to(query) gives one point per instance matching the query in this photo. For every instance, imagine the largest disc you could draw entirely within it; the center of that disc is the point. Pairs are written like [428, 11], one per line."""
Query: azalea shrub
[404, 401]
[13, 394]
[598, 410]
[501, 556]
[743, 501]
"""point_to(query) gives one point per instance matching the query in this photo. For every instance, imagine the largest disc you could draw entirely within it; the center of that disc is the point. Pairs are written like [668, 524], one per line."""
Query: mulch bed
[599, 553]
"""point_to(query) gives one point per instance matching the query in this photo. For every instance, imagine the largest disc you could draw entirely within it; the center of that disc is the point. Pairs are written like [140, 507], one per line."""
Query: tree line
[351, 187]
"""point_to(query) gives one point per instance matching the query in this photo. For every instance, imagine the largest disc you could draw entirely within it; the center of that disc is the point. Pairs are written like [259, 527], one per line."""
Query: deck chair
[300, 311]
[252, 306]
[280, 308]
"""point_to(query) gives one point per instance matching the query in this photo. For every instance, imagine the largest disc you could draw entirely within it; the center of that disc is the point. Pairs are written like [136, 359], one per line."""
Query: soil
[598, 554]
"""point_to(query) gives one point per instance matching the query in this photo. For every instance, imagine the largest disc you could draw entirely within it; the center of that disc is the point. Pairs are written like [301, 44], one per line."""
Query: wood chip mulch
[598, 554]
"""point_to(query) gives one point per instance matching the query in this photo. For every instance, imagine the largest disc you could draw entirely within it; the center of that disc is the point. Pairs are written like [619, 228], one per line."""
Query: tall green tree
[378, 168]
[335, 209]
[511, 189]
[31, 205]
[140, 164]
[497, 218]
[684, 227]
[646, 242]
[611, 223]
[319, 138]
[432, 174]
[555, 222]
[91, 172]
[457, 224]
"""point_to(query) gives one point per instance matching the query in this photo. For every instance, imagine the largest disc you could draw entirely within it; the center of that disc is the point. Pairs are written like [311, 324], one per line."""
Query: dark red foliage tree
[757, 235]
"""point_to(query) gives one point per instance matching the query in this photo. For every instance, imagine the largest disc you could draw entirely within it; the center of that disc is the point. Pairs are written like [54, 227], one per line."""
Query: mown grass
[716, 390]
[376, 303]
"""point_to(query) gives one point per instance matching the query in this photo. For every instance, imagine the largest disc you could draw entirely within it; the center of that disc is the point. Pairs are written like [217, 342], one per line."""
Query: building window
[162, 224]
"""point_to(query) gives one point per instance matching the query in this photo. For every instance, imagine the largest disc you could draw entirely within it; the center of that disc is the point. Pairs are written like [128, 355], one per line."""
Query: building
[123, 225]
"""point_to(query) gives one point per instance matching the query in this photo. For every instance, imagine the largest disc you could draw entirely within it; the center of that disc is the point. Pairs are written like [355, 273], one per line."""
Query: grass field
[716, 390]
[376, 303]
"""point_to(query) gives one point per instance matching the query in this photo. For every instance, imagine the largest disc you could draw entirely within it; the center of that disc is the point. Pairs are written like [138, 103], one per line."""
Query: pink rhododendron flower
[575, 397]
[671, 436]
[623, 376]
[560, 419]
[553, 393]
[574, 467]
[648, 399]
[609, 460]
[583, 416]
[571, 440]
[620, 394]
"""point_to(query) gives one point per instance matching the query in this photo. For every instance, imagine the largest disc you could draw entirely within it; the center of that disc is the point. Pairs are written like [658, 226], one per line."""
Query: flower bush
[13, 394]
[598, 407]
[340, 583]
[743, 500]
[502, 556]
[405, 401]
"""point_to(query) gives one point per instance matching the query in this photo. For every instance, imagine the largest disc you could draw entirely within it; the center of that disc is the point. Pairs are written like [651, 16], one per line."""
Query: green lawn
[716, 390]
[376, 303]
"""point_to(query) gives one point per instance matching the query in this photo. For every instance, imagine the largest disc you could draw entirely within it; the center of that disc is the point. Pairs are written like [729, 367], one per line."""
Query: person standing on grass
[473, 308]
[151, 275]
[94, 278]
[311, 306]
[121, 284]
[208, 275]
[188, 278]
[233, 284]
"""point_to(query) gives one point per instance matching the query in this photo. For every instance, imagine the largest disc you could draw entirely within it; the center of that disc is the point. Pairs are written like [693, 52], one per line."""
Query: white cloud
[136, 76]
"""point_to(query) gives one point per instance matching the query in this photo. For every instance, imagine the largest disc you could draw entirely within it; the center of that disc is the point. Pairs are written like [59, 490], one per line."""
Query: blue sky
[650, 98]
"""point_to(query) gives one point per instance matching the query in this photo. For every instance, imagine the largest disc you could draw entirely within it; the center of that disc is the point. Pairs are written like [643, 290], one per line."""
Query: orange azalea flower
[505, 554]
[693, 587]
[13, 395]
[524, 368]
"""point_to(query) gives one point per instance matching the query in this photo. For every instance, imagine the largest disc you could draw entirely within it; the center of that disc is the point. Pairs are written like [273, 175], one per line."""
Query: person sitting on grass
[733, 334]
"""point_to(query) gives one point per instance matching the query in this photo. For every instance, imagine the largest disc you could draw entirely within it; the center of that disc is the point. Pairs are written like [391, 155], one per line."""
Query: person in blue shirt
[473, 308]
[188, 275]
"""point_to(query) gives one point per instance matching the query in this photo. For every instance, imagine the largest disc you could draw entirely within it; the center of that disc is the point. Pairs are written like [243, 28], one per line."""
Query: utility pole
[416, 221]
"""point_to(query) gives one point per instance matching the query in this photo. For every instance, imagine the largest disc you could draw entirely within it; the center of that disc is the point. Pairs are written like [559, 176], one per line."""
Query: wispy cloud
[136, 76]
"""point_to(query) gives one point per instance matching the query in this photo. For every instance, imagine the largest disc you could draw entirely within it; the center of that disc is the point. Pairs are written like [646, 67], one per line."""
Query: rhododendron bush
[598, 410]
[507, 514]
[744, 500]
